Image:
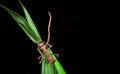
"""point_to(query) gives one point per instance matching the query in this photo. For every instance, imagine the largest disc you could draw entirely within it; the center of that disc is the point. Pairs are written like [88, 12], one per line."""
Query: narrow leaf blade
[22, 23]
[30, 21]
[58, 66]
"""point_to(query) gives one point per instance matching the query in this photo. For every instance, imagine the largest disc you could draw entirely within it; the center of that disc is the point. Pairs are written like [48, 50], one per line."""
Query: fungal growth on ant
[43, 47]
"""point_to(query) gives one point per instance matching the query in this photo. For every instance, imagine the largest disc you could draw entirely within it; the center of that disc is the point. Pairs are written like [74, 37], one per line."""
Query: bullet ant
[43, 48]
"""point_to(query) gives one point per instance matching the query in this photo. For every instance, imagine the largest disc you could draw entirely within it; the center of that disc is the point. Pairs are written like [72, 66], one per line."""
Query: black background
[77, 35]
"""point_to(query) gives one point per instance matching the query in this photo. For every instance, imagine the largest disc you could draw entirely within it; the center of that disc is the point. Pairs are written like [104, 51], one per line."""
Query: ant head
[41, 45]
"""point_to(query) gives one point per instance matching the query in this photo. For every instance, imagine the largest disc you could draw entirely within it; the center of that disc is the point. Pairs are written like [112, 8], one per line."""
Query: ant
[43, 48]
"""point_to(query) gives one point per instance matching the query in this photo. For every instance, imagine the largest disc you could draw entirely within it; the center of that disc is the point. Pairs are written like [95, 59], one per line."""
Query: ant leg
[57, 55]
[40, 59]
[49, 46]
[38, 50]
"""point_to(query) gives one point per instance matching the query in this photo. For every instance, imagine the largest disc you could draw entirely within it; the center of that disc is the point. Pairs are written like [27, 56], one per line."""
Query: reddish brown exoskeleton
[43, 48]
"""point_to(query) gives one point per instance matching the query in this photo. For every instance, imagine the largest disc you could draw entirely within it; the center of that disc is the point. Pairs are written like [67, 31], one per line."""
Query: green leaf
[22, 22]
[43, 66]
[59, 68]
[57, 65]
[30, 21]
[46, 66]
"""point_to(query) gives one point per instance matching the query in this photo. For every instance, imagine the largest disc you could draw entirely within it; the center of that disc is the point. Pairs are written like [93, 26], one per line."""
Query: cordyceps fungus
[50, 64]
